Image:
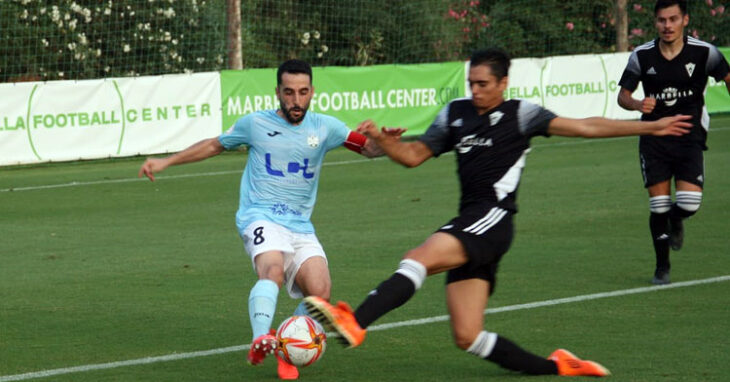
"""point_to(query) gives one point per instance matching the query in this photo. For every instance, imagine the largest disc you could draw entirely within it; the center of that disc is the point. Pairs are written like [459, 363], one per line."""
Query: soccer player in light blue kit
[278, 192]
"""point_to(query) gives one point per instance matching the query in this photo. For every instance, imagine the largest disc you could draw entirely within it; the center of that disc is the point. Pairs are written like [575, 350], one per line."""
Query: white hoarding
[70, 120]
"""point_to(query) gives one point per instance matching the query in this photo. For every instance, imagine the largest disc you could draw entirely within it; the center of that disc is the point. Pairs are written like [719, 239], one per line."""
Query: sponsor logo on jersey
[671, 95]
[651, 71]
[495, 117]
[470, 141]
[313, 141]
[690, 68]
[457, 123]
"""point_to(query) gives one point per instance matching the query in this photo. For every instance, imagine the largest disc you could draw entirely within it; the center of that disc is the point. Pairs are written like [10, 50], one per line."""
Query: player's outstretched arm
[628, 102]
[387, 139]
[597, 127]
[197, 152]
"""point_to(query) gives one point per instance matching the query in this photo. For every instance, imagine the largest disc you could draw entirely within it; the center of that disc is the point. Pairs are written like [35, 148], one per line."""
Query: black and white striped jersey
[678, 84]
[490, 148]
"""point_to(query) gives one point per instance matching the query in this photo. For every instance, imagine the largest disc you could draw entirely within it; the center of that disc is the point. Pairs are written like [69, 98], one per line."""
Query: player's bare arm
[628, 102]
[197, 152]
[597, 127]
[409, 154]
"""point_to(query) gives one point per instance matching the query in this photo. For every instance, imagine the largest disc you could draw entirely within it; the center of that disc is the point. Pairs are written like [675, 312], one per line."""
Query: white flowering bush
[76, 39]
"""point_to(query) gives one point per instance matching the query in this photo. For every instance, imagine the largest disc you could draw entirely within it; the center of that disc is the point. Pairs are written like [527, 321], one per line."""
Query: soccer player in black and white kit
[491, 138]
[673, 70]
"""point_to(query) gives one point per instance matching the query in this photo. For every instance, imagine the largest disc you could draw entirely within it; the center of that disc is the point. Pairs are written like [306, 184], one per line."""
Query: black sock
[389, 295]
[510, 356]
[659, 227]
[679, 213]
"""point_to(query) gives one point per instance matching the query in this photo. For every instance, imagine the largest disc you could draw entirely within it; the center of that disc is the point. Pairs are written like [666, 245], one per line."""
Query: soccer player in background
[673, 70]
[491, 138]
[278, 192]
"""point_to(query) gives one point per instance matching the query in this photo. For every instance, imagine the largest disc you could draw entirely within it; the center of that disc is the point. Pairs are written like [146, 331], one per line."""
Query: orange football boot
[570, 365]
[338, 318]
[286, 370]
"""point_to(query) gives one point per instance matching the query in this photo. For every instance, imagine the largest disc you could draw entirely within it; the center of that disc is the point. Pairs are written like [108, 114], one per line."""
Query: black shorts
[663, 159]
[486, 234]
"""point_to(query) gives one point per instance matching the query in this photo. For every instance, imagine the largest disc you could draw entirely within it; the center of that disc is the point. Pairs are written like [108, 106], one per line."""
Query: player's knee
[689, 201]
[660, 204]
[273, 272]
[465, 337]
[319, 288]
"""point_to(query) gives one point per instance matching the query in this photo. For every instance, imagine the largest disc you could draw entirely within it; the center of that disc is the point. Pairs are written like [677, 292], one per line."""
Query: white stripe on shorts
[488, 221]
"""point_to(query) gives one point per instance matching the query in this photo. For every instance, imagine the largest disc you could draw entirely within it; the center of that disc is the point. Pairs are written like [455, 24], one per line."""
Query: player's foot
[262, 346]
[570, 365]
[339, 318]
[676, 234]
[286, 370]
[661, 277]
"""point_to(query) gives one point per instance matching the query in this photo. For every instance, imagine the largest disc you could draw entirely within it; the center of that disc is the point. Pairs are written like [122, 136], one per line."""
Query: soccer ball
[302, 340]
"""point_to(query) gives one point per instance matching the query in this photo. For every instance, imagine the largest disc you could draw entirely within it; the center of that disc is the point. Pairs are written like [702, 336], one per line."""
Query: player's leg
[267, 243]
[466, 301]
[439, 252]
[660, 204]
[690, 178]
[656, 170]
[262, 304]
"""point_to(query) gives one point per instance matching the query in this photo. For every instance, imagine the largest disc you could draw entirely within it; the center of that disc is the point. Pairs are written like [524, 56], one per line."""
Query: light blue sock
[301, 310]
[262, 305]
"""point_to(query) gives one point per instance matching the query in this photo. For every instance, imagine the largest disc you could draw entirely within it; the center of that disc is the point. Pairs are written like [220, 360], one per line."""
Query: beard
[288, 115]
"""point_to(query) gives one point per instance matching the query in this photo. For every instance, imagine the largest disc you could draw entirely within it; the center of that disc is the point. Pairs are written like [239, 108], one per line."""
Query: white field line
[354, 161]
[421, 321]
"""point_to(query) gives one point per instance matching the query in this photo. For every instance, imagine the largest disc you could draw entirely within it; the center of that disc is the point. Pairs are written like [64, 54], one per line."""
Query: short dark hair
[497, 59]
[293, 67]
[661, 4]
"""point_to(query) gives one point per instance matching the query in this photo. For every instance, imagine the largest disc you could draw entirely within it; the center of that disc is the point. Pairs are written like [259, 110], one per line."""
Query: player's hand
[368, 129]
[152, 166]
[647, 105]
[393, 132]
[676, 125]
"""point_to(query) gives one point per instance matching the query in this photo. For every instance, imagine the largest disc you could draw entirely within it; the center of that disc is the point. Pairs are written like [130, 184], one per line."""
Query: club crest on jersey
[495, 117]
[469, 141]
[690, 68]
[313, 141]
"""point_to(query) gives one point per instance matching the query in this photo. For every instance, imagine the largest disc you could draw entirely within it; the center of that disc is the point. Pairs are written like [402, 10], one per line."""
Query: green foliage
[77, 39]
[709, 20]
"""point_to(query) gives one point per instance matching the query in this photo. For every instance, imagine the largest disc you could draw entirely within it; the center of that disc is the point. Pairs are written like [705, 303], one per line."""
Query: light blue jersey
[280, 181]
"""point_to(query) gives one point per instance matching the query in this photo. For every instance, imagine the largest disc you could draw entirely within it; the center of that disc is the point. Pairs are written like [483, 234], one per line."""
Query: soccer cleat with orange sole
[262, 346]
[338, 318]
[570, 365]
[286, 370]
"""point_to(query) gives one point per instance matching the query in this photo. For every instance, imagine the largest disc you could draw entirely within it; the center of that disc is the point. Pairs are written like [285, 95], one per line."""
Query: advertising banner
[70, 120]
[392, 95]
[587, 85]
[572, 86]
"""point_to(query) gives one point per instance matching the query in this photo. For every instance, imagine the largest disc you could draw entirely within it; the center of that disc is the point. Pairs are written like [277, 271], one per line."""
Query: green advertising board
[717, 97]
[407, 96]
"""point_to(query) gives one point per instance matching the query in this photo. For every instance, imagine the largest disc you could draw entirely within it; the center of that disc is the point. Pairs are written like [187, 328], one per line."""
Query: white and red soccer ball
[302, 340]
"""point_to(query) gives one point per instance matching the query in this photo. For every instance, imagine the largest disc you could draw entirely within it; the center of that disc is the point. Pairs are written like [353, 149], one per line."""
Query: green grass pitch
[98, 267]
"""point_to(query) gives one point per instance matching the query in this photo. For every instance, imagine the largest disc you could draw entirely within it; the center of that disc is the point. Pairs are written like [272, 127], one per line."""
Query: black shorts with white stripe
[486, 234]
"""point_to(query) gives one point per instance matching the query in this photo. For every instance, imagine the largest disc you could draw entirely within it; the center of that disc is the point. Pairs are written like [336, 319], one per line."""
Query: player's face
[670, 23]
[294, 93]
[486, 90]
